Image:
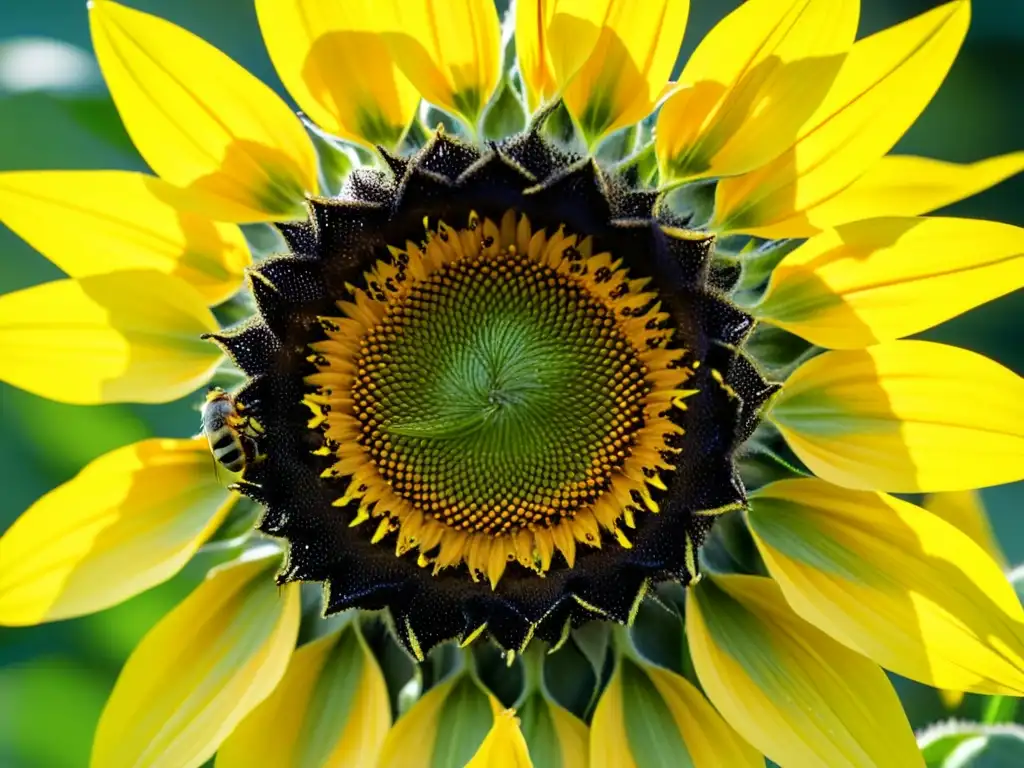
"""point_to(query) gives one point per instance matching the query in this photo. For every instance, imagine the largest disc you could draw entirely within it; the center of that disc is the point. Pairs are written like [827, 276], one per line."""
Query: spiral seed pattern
[498, 394]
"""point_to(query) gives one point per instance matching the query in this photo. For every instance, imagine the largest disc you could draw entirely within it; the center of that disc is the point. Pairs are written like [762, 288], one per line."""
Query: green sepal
[396, 665]
[505, 115]
[558, 125]
[695, 201]
[643, 163]
[959, 744]
[659, 635]
[505, 681]
[335, 159]
[594, 641]
[1000, 709]
[730, 548]
[263, 240]
[538, 728]
[465, 719]
[778, 352]
[654, 737]
[432, 117]
[415, 138]
[767, 458]
[758, 264]
[571, 679]
[237, 526]
[618, 146]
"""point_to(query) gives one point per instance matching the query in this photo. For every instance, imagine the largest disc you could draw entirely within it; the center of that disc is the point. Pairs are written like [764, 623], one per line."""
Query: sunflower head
[594, 367]
[501, 390]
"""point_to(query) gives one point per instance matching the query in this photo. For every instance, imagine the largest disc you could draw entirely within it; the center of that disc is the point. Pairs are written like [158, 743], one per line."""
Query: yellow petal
[650, 716]
[609, 740]
[951, 699]
[122, 337]
[612, 58]
[798, 696]
[885, 83]
[128, 521]
[572, 734]
[751, 86]
[881, 279]
[906, 416]
[533, 17]
[965, 510]
[320, 49]
[894, 582]
[710, 741]
[92, 222]
[451, 52]
[200, 120]
[200, 671]
[410, 742]
[553, 735]
[903, 185]
[330, 710]
[504, 746]
[451, 718]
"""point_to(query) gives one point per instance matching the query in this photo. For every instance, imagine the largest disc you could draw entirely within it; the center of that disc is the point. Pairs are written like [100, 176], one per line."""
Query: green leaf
[961, 744]
[1004, 749]
[999, 709]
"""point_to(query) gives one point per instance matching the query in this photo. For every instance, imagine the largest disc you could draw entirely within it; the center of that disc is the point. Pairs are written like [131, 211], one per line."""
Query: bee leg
[251, 448]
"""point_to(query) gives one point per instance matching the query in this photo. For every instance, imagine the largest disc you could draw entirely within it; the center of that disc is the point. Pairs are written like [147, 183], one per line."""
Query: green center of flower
[498, 393]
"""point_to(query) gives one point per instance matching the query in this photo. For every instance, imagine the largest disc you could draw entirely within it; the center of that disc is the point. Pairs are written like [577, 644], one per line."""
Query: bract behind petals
[331, 708]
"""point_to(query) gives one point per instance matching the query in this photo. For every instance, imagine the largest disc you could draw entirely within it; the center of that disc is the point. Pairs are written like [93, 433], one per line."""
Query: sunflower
[576, 391]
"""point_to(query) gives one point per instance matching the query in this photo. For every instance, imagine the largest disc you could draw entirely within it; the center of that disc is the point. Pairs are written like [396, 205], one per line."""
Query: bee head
[215, 393]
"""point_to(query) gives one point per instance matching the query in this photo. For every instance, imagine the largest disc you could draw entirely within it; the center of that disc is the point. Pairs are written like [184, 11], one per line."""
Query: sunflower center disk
[498, 395]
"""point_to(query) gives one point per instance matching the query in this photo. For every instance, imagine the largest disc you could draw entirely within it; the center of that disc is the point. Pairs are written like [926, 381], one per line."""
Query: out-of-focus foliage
[57, 115]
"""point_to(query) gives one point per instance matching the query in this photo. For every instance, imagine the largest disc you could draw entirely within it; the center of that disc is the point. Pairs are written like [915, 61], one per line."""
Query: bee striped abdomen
[223, 427]
[228, 451]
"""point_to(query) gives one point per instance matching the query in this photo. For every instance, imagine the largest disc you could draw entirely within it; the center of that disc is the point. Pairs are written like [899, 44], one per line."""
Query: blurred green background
[55, 113]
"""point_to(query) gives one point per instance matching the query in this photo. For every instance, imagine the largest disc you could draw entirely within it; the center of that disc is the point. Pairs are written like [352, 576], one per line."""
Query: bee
[230, 432]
